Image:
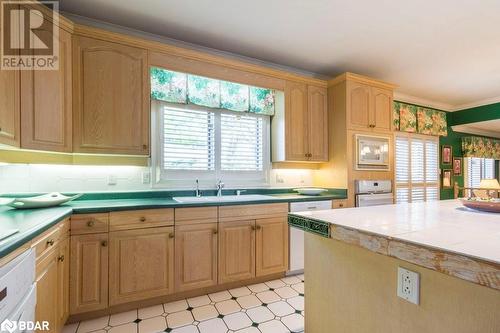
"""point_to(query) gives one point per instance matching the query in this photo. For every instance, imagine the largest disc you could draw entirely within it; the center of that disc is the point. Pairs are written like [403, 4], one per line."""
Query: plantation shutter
[242, 143]
[188, 139]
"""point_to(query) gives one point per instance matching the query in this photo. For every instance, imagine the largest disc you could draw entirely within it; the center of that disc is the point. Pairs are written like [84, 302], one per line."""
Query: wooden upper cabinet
[111, 97]
[381, 109]
[236, 250]
[318, 123]
[10, 107]
[46, 109]
[89, 273]
[369, 107]
[296, 121]
[271, 245]
[141, 264]
[300, 132]
[359, 98]
[195, 256]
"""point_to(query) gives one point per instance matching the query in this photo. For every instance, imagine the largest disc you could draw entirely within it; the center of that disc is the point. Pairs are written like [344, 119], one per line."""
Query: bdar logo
[8, 326]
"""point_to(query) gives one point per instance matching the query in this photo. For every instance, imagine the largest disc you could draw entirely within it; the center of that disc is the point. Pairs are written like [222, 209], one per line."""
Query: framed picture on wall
[446, 155]
[457, 166]
[447, 178]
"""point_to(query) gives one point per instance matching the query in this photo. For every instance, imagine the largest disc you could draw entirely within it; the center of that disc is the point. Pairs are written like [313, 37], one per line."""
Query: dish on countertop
[40, 201]
[490, 205]
[310, 191]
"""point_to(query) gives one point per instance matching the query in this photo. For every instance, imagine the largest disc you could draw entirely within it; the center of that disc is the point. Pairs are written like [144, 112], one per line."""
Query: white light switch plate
[408, 285]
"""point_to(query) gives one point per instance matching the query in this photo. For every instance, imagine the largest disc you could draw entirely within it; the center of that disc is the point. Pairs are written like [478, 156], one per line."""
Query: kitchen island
[352, 258]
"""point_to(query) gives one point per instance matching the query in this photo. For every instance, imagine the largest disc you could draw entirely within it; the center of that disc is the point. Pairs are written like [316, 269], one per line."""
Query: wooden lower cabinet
[89, 273]
[47, 290]
[63, 281]
[141, 264]
[195, 256]
[236, 250]
[271, 245]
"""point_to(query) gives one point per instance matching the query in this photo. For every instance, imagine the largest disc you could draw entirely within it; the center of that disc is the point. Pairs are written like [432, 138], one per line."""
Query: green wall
[481, 113]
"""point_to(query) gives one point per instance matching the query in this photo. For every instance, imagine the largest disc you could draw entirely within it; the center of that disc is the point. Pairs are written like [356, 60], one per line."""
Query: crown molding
[483, 102]
[422, 101]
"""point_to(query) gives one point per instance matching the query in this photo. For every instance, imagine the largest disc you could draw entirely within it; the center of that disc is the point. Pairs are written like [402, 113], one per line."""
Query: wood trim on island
[465, 268]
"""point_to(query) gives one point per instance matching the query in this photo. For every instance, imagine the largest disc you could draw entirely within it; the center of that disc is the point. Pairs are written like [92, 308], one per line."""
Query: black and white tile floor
[272, 307]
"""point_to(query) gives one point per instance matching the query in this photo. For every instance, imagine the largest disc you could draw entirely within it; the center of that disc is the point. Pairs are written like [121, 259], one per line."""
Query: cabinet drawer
[195, 215]
[136, 219]
[245, 212]
[339, 203]
[89, 223]
[46, 242]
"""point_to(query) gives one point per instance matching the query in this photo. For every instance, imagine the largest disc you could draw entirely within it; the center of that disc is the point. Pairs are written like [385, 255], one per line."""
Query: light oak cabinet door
[47, 290]
[271, 245]
[236, 250]
[63, 281]
[111, 97]
[89, 273]
[318, 124]
[195, 256]
[359, 100]
[381, 112]
[141, 264]
[46, 109]
[10, 108]
[296, 122]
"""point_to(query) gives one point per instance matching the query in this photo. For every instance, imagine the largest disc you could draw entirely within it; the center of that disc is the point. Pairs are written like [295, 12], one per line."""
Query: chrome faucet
[220, 186]
[198, 192]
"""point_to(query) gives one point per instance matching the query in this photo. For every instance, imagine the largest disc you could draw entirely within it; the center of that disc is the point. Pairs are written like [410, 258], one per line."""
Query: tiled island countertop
[443, 236]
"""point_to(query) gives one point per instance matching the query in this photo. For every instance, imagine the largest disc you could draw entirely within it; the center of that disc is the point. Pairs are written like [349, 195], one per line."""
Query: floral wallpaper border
[476, 146]
[176, 87]
[416, 119]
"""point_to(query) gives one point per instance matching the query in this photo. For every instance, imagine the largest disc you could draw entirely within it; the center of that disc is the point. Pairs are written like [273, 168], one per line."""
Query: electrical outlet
[408, 285]
[279, 179]
[146, 177]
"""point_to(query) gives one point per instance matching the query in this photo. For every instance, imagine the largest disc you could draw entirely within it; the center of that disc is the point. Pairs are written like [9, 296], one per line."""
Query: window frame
[425, 184]
[162, 178]
[465, 167]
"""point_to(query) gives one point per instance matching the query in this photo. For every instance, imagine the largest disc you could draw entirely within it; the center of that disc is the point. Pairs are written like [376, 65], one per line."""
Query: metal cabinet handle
[171, 235]
[341, 205]
[61, 258]
[259, 227]
[104, 243]
[50, 242]
[142, 219]
[215, 232]
[90, 223]
[253, 228]
[144, 146]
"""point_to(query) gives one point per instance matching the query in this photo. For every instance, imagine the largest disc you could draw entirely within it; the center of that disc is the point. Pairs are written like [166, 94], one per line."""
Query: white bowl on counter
[310, 190]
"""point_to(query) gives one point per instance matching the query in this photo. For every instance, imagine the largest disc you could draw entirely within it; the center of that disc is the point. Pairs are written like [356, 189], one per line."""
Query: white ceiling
[489, 128]
[446, 52]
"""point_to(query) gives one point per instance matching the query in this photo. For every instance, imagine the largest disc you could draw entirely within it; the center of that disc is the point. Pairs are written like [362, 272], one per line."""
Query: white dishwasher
[297, 235]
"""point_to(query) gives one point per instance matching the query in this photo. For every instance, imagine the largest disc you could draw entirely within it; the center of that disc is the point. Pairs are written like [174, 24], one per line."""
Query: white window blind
[477, 169]
[417, 173]
[188, 139]
[209, 145]
[241, 143]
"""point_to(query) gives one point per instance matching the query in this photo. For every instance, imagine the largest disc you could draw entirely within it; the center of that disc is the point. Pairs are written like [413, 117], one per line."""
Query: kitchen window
[417, 169]
[478, 168]
[192, 142]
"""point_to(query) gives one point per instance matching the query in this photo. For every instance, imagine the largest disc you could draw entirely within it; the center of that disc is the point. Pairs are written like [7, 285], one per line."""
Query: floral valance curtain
[417, 119]
[175, 87]
[475, 146]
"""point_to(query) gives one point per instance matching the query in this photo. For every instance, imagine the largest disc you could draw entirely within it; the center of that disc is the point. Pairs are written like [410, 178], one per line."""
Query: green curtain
[175, 87]
[417, 119]
[475, 146]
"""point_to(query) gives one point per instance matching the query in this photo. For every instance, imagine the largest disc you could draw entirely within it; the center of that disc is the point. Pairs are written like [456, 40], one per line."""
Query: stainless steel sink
[224, 198]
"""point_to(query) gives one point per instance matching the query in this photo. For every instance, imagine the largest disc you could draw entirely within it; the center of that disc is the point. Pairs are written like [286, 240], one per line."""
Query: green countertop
[32, 222]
